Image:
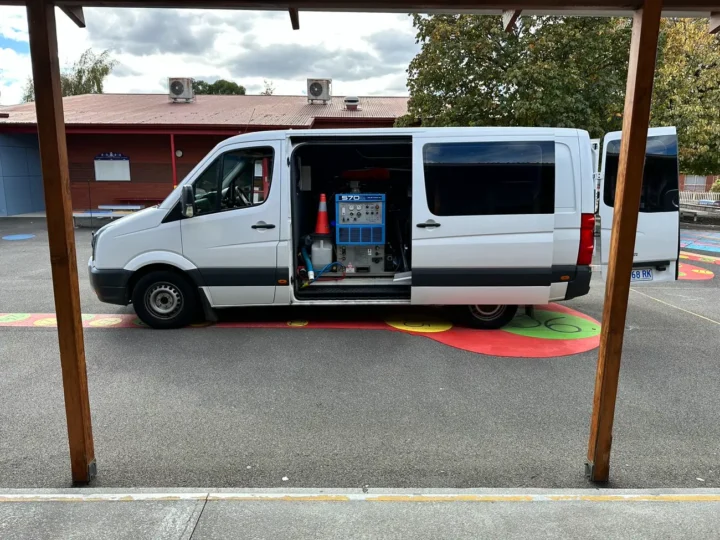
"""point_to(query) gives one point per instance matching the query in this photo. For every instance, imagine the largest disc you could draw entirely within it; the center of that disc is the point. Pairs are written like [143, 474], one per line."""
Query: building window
[695, 183]
[112, 167]
[490, 178]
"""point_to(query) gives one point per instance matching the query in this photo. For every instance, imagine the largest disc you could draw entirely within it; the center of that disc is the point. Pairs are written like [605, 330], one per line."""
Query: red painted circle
[512, 345]
[694, 273]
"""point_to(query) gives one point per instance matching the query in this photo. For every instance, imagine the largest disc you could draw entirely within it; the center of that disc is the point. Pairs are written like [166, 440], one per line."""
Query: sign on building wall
[112, 167]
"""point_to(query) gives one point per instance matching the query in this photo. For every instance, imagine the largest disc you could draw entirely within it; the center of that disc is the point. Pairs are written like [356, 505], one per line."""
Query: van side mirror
[187, 201]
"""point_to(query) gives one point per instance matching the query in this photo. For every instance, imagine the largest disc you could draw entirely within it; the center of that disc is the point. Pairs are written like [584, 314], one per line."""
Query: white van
[484, 218]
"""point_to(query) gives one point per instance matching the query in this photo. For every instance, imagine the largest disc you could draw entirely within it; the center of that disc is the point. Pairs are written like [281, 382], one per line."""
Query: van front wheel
[489, 317]
[164, 300]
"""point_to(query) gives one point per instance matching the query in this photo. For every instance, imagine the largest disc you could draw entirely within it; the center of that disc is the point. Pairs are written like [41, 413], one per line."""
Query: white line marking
[676, 307]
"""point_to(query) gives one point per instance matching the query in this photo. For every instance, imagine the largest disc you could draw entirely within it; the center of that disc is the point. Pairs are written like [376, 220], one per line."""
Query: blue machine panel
[360, 219]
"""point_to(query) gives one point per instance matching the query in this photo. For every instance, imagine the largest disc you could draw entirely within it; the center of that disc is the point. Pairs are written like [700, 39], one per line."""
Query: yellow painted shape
[105, 322]
[423, 327]
[47, 322]
[297, 323]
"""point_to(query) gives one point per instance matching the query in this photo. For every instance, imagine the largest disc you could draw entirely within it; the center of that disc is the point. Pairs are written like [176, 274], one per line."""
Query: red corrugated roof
[206, 111]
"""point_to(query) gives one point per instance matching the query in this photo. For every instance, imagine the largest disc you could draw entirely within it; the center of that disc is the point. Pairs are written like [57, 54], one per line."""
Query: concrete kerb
[98, 495]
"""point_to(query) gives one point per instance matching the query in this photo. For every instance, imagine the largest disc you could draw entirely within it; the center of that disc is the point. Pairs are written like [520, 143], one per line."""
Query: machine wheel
[490, 317]
[164, 299]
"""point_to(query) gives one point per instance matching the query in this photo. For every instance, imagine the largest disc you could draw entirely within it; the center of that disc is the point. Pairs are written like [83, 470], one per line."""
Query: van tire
[165, 299]
[488, 317]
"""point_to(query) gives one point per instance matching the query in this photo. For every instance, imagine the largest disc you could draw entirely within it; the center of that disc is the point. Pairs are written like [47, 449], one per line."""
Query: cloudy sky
[364, 54]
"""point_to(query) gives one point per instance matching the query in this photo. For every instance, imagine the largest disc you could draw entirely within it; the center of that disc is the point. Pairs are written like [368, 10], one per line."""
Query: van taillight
[587, 239]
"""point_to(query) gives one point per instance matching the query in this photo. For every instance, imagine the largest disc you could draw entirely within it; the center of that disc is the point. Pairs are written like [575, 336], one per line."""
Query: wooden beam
[294, 18]
[714, 22]
[75, 13]
[509, 18]
[63, 262]
[641, 71]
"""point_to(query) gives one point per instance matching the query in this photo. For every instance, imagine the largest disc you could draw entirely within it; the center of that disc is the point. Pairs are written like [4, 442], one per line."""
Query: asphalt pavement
[278, 408]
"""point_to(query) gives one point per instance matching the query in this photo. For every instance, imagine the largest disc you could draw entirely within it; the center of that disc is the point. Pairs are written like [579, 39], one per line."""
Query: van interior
[361, 249]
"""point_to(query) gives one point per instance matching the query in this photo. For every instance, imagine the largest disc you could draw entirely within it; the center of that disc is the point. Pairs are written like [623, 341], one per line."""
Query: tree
[269, 89]
[715, 188]
[549, 71]
[221, 87]
[687, 93]
[86, 76]
[564, 72]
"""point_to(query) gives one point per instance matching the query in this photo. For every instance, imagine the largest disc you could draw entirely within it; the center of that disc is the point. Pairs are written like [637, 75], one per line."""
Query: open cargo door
[657, 240]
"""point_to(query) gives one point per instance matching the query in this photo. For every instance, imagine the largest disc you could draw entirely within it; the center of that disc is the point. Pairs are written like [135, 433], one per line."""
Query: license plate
[641, 274]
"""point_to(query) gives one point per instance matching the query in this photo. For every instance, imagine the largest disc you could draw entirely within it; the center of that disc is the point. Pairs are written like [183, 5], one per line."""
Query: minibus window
[237, 179]
[660, 176]
[490, 178]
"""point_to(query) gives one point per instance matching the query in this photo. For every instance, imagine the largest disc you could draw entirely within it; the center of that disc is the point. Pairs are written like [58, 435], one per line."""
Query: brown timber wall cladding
[150, 165]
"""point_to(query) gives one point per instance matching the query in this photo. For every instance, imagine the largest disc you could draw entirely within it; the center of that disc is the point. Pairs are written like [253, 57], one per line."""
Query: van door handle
[261, 225]
[428, 225]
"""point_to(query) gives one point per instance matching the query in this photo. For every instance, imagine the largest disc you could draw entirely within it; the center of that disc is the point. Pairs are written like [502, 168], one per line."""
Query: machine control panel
[367, 213]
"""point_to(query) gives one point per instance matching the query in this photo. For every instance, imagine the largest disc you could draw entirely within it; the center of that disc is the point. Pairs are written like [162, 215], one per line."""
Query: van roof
[395, 132]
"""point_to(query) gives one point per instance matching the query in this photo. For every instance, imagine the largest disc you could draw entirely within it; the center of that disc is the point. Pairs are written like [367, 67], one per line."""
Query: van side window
[660, 176]
[490, 178]
[237, 179]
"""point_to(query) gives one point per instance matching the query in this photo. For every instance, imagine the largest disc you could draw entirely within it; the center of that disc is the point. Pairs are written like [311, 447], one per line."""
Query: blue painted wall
[21, 188]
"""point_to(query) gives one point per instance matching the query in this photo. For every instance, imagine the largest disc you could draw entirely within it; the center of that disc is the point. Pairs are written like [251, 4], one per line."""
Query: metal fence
[695, 196]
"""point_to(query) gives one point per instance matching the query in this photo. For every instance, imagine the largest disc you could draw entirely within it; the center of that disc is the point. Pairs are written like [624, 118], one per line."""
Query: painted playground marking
[687, 256]
[700, 240]
[16, 237]
[553, 330]
[693, 273]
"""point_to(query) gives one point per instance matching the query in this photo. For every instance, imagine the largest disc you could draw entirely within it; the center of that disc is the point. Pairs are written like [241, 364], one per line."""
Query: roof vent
[352, 103]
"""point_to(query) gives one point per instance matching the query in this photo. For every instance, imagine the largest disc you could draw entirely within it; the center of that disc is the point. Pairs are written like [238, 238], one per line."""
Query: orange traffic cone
[322, 227]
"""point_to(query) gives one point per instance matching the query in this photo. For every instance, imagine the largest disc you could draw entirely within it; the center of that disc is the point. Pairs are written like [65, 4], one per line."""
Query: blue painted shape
[15, 237]
[701, 241]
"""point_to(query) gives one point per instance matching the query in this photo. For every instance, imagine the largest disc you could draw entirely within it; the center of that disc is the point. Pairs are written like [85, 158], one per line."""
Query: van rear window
[490, 178]
[660, 177]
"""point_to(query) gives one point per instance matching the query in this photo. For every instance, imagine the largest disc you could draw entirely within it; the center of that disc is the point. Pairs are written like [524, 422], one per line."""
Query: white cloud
[363, 53]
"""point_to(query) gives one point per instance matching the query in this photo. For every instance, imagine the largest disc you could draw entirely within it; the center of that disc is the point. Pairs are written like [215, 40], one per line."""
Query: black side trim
[110, 285]
[282, 274]
[239, 277]
[482, 277]
[560, 271]
[579, 286]
[656, 264]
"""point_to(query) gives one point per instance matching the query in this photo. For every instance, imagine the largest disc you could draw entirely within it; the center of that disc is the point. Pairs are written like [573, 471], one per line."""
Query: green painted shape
[87, 317]
[553, 325]
[14, 317]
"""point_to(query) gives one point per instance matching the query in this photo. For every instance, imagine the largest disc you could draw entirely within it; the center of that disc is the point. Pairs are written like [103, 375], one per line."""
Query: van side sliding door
[482, 219]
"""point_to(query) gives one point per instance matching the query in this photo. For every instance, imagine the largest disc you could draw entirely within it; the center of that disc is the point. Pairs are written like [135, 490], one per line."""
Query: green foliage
[269, 88]
[549, 71]
[715, 188]
[221, 87]
[564, 72]
[687, 93]
[86, 76]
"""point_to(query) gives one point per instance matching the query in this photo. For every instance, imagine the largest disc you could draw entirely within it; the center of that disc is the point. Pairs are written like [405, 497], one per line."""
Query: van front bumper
[580, 284]
[110, 285]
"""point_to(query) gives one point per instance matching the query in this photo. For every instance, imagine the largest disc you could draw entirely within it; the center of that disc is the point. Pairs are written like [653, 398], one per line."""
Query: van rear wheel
[488, 317]
[164, 299]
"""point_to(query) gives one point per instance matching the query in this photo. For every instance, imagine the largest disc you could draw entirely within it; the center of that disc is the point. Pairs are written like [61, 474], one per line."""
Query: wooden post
[641, 72]
[58, 206]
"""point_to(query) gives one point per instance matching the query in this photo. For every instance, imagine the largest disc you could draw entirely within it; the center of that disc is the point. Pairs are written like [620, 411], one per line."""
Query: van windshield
[660, 176]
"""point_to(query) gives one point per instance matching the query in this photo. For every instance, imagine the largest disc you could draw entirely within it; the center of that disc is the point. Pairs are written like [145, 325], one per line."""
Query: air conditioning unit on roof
[180, 89]
[319, 90]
